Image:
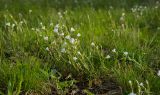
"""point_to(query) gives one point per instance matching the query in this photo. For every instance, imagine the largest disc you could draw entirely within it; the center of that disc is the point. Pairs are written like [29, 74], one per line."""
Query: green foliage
[47, 47]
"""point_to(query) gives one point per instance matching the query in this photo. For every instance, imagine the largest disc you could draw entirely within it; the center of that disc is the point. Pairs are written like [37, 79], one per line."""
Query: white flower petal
[132, 93]
[108, 57]
[46, 38]
[72, 29]
[78, 35]
[114, 50]
[74, 58]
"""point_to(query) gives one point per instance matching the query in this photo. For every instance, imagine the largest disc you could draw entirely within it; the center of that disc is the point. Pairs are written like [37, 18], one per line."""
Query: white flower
[125, 53]
[79, 52]
[132, 93]
[92, 44]
[37, 30]
[30, 11]
[72, 29]
[47, 49]
[68, 37]
[69, 62]
[63, 50]
[141, 84]
[41, 23]
[78, 35]
[8, 24]
[57, 25]
[46, 38]
[33, 29]
[156, 7]
[13, 25]
[59, 13]
[158, 73]
[64, 44]
[122, 18]
[108, 56]
[65, 12]
[75, 47]
[53, 43]
[72, 40]
[21, 22]
[56, 28]
[123, 14]
[74, 58]
[114, 50]
[130, 82]
[51, 24]
[62, 34]
[43, 27]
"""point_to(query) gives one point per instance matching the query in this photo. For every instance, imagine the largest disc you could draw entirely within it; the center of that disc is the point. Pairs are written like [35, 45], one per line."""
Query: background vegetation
[79, 47]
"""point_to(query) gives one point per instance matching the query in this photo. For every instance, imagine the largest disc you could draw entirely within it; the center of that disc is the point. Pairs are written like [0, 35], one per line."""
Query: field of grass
[79, 47]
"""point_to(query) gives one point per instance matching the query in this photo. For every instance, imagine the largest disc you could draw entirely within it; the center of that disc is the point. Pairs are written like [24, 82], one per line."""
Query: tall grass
[49, 47]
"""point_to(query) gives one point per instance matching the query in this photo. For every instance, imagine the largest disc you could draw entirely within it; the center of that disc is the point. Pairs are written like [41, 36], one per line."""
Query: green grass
[114, 42]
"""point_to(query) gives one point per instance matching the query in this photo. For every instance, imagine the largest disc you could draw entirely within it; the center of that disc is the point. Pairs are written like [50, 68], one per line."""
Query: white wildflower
[37, 30]
[51, 24]
[30, 11]
[41, 23]
[63, 50]
[92, 44]
[8, 24]
[72, 40]
[78, 35]
[65, 12]
[156, 7]
[43, 27]
[114, 50]
[21, 22]
[130, 82]
[108, 57]
[158, 73]
[62, 34]
[123, 14]
[53, 43]
[60, 15]
[56, 28]
[69, 62]
[47, 49]
[72, 29]
[157, 2]
[122, 18]
[74, 58]
[141, 84]
[46, 38]
[132, 93]
[33, 29]
[75, 47]
[79, 52]
[13, 25]
[68, 37]
[64, 44]
[125, 53]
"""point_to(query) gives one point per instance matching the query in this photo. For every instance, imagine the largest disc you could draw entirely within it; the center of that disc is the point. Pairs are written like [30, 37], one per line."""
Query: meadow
[79, 47]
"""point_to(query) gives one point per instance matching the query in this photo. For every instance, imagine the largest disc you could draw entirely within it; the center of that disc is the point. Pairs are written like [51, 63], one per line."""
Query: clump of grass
[44, 50]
